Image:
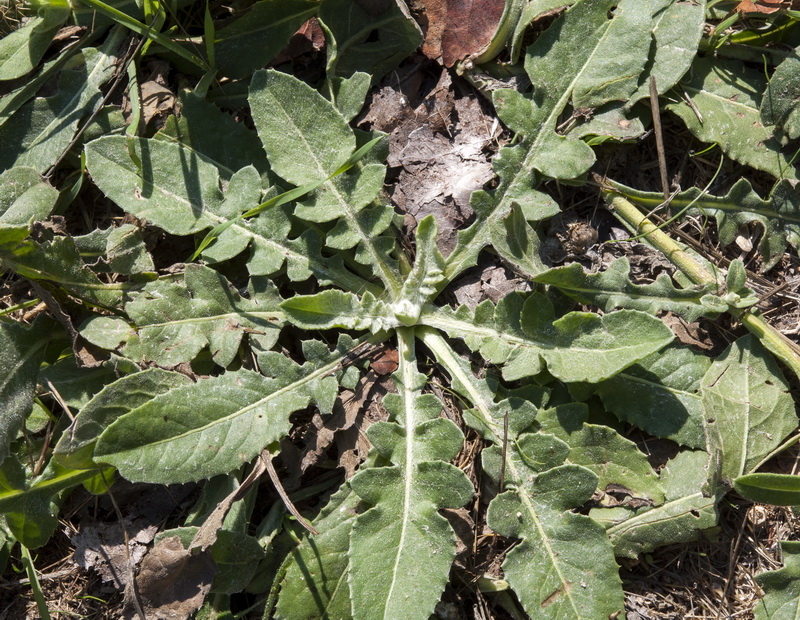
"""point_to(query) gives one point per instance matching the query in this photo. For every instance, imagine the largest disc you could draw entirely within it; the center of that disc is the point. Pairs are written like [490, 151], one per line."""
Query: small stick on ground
[662, 159]
[273, 475]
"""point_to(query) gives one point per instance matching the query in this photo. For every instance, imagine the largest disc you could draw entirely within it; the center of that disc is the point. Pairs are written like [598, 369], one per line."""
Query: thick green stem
[772, 339]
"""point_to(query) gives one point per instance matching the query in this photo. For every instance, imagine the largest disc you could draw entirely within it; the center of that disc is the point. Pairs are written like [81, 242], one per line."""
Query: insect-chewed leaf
[781, 587]
[522, 334]
[779, 216]
[781, 103]
[173, 321]
[685, 513]
[612, 288]
[76, 445]
[213, 426]
[401, 549]
[748, 408]
[725, 93]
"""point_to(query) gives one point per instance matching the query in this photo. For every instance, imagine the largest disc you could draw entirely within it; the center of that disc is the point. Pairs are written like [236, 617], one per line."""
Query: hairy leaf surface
[660, 395]
[686, 511]
[564, 566]
[615, 460]
[386, 578]
[43, 128]
[726, 93]
[307, 140]
[748, 408]
[781, 103]
[613, 288]
[179, 191]
[781, 587]
[21, 353]
[523, 334]
[213, 426]
[24, 196]
[583, 44]
[172, 322]
[75, 447]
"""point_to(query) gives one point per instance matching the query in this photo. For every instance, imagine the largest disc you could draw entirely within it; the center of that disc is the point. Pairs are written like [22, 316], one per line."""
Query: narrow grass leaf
[766, 488]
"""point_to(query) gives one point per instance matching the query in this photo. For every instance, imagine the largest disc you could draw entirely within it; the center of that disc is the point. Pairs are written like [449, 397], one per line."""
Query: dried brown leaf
[458, 29]
[172, 582]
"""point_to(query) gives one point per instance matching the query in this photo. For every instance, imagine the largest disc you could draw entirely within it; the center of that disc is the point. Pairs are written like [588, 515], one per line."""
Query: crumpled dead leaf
[442, 159]
[172, 583]
[764, 6]
[458, 29]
